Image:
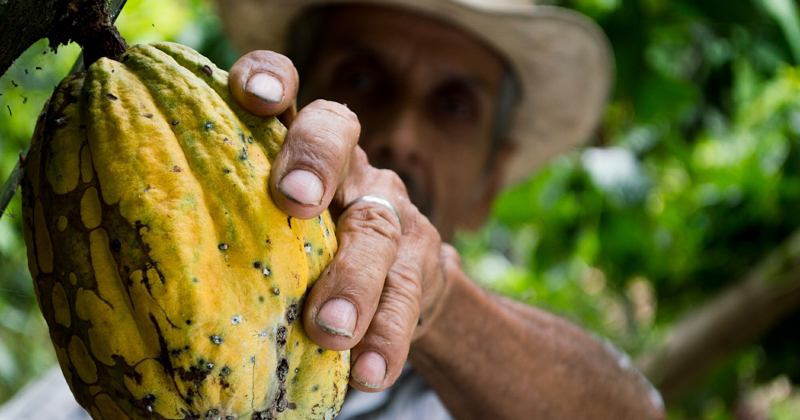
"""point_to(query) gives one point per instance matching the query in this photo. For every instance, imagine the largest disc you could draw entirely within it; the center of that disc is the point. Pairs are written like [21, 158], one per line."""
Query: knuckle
[338, 111]
[392, 180]
[370, 219]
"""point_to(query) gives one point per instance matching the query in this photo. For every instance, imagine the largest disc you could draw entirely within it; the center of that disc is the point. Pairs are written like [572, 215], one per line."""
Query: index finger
[264, 83]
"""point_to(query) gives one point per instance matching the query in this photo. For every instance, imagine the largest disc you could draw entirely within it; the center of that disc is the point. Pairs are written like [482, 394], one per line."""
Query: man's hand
[387, 271]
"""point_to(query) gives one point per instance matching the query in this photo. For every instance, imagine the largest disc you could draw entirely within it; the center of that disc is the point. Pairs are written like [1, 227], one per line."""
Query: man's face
[426, 95]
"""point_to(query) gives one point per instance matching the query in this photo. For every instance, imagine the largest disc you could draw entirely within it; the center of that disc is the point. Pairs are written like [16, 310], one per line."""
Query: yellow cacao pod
[170, 281]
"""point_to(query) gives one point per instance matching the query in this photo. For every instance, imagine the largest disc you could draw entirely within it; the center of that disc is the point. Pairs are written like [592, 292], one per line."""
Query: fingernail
[302, 187]
[369, 370]
[265, 86]
[338, 317]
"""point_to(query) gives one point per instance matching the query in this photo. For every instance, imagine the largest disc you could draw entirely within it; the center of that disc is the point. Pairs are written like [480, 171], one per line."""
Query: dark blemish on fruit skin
[188, 322]
[226, 170]
[257, 264]
[283, 369]
[280, 402]
[280, 336]
[223, 247]
[276, 291]
[289, 220]
[207, 70]
[261, 299]
[209, 125]
[291, 312]
[176, 122]
[319, 351]
[216, 339]
[250, 139]
[116, 246]
[111, 97]
[225, 371]
[148, 115]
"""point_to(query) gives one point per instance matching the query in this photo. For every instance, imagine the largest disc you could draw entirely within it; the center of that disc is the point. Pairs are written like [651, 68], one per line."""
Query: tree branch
[734, 318]
[87, 22]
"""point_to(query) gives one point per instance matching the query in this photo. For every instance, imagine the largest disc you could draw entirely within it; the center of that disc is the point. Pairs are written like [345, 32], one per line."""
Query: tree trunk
[732, 319]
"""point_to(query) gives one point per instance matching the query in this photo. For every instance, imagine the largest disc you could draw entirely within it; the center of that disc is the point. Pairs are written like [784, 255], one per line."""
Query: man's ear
[493, 182]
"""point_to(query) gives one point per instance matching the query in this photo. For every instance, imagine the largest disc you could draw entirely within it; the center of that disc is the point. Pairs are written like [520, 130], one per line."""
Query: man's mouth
[416, 193]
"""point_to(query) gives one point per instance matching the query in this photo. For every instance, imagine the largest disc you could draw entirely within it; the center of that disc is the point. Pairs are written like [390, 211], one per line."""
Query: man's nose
[398, 143]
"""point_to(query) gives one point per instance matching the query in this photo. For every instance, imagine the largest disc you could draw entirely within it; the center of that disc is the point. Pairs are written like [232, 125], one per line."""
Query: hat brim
[562, 59]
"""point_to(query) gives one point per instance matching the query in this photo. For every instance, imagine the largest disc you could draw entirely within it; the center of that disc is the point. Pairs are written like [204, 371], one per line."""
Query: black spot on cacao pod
[319, 351]
[148, 115]
[315, 388]
[216, 339]
[116, 246]
[223, 247]
[111, 97]
[261, 299]
[250, 139]
[282, 370]
[280, 335]
[291, 406]
[225, 371]
[207, 70]
[276, 291]
[188, 322]
[280, 402]
[176, 122]
[291, 312]
[226, 170]
[209, 125]
[289, 220]
[257, 264]
[209, 366]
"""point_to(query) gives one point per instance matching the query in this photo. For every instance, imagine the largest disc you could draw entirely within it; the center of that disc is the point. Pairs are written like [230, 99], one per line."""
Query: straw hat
[561, 58]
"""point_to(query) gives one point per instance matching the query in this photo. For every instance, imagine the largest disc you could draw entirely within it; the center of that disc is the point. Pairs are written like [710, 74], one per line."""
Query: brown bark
[87, 22]
[732, 319]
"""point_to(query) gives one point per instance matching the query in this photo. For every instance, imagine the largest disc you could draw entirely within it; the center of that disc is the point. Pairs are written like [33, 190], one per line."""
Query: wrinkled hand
[386, 273]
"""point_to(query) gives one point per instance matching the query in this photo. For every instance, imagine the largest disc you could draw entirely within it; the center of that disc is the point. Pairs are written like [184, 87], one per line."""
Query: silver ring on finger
[376, 200]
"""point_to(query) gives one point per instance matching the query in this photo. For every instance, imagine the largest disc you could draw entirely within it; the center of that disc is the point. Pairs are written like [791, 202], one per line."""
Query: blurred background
[675, 234]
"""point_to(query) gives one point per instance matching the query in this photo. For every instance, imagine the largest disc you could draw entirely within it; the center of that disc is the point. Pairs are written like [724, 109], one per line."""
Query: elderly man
[454, 99]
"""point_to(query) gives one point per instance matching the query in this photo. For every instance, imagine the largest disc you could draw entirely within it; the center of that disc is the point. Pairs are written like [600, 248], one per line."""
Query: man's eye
[360, 81]
[455, 108]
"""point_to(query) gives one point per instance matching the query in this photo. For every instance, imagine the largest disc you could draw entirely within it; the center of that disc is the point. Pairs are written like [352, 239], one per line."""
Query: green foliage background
[694, 176]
